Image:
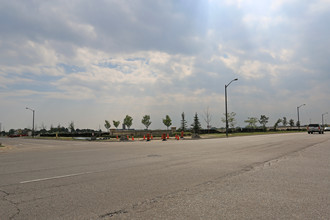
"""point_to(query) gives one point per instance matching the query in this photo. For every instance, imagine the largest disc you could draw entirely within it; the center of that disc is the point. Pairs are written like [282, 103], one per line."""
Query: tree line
[263, 121]
[167, 121]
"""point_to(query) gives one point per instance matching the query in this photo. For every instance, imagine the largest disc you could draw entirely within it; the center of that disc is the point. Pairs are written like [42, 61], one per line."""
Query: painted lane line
[55, 177]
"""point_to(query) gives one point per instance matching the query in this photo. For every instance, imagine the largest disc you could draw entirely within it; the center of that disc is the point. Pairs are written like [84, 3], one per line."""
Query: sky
[91, 61]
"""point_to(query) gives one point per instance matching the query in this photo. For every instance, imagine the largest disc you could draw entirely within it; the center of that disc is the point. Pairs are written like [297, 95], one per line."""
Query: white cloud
[163, 57]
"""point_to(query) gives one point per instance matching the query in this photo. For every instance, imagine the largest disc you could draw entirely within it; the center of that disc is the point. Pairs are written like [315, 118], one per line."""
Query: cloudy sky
[87, 61]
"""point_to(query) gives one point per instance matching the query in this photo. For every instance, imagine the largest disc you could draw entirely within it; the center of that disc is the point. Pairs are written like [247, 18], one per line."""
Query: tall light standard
[32, 120]
[226, 105]
[298, 115]
[322, 119]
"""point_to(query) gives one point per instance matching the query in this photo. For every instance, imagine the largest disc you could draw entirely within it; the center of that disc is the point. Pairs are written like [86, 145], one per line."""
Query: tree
[196, 126]
[263, 121]
[107, 125]
[71, 127]
[43, 128]
[284, 121]
[252, 121]
[291, 122]
[146, 121]
[276, 124]
[167, 121]
[231, 119]
[183, 123]
[116, 123]
[128, 121]
[207, 118]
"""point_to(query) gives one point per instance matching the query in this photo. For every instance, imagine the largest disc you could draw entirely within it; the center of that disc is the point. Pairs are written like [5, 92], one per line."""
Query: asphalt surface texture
[279, 176]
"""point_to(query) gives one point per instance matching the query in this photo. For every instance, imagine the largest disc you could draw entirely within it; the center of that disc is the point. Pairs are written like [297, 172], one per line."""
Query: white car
[311, 128]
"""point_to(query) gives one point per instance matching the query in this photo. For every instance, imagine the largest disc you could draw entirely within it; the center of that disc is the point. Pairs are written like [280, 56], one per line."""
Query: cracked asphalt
[283, 176]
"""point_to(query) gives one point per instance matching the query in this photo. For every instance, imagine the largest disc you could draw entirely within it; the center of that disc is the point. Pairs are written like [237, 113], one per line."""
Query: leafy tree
[183, 122]
[11, 131]
[291, 122]
[231, 119]
[107, 125]
[284, 121]
[196, 126]
[128, 121]
[116, 123]
[71, 127]
[252, 121]
[276, 124]
[146, 121]
[263, 121]
[167, 121]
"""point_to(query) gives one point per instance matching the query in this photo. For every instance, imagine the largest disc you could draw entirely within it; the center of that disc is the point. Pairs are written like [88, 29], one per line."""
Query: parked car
[311, 128]
[327, 129]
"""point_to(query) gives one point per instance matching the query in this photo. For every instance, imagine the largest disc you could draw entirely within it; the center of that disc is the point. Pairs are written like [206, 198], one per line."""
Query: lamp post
[32, 120]
[298, 115]
[322, 119]
[226, 105]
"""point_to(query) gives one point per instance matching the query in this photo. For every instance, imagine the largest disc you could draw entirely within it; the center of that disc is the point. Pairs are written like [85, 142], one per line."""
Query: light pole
[298, 115]
[226, 105]
[32, 120]
[322, 119]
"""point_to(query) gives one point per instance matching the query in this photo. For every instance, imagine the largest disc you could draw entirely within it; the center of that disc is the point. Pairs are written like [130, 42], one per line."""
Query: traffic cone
[144, 137]
[132, 138]
[152, 137]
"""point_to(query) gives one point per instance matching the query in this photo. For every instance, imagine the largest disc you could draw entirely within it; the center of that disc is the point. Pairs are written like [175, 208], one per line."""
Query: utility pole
[298, 115]
[226, 105]
[32, 120]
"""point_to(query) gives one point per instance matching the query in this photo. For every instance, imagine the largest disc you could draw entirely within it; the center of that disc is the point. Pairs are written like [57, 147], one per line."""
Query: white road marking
[54, 177]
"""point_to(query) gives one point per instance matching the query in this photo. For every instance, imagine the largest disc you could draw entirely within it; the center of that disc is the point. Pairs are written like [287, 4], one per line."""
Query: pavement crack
[111, 214]
[6, 199]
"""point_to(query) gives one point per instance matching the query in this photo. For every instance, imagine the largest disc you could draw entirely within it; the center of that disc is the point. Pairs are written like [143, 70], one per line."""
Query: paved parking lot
[257, 177]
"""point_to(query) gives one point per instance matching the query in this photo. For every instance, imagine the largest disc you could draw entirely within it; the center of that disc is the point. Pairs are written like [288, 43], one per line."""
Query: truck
[311, 128]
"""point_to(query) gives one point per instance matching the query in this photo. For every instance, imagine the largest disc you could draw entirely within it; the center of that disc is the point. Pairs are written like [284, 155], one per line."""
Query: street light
[322, 119]
[298, 115]
[32, 120]
[226, 105]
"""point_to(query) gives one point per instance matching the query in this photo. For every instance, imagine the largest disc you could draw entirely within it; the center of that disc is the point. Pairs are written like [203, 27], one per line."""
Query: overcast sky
[90, 61]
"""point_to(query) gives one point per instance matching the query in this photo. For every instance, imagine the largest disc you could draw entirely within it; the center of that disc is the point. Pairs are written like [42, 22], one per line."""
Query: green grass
[54, 138]
[239, 134]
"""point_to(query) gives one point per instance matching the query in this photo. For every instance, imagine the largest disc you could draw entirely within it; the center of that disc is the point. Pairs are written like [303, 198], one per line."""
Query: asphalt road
[283, 176]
